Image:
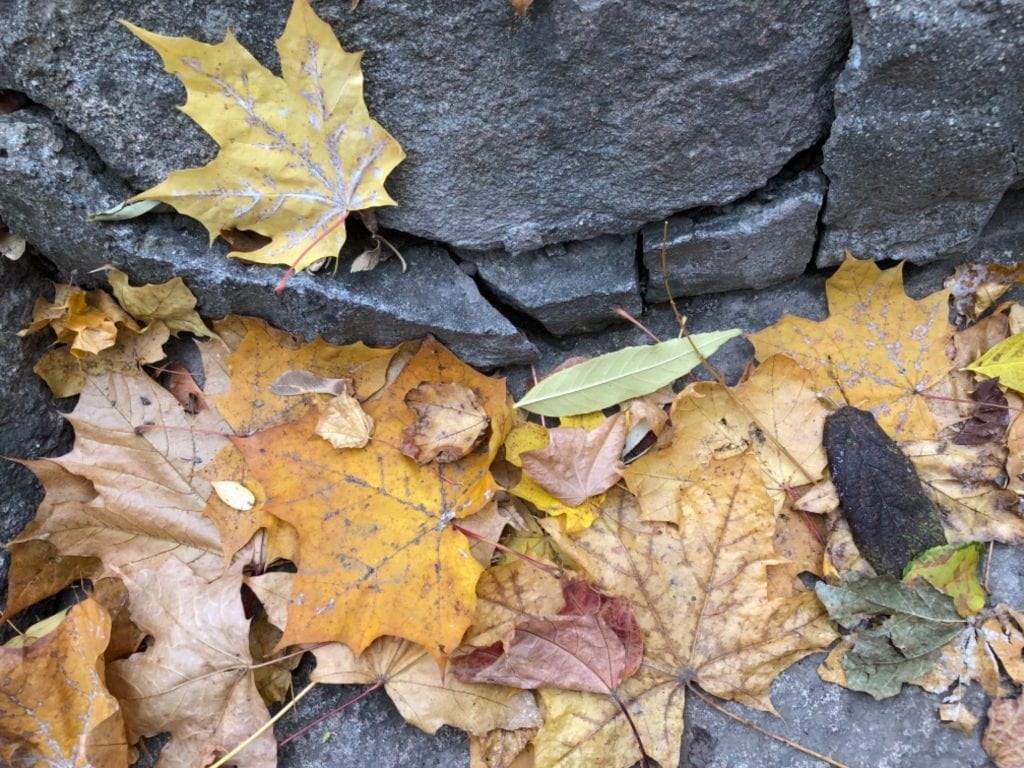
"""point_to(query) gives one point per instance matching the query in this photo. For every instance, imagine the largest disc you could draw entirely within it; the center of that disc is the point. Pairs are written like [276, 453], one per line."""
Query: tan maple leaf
[379, 555]
[297, 152]
[54, 705]
[194, 680]
[878, 350]
[701, 599]
[774, 412]
[1004, 736]
[424, 695]
[344, 424]
[577, 464]
[142, 455]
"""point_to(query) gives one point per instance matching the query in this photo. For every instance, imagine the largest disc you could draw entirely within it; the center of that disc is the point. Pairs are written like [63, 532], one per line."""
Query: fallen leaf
[306, 382]
[344, 424]
[235, 495]
[12, 246]
[125, 637]
[521, 6]
[379, 554]
[149, 496]
[592, 644]
[273, 681]
[182, 385]
[617, 376]
[54, 705]
[990, 418]
[963, 481]
[1004, 736]
[878, 350]
[244, 392]
[953, 570]
[700, 598]
[86, 321]
[976, 287]
[577, 464]
[450, 421]
[511, 593]
[906, 644]
[297, 152]
[800, 542]
[1004, 361]
[502, 749]
[1015, 455]
[529, 437]
[194, 680]
[891, 518]
[424, 695]
[170, 303]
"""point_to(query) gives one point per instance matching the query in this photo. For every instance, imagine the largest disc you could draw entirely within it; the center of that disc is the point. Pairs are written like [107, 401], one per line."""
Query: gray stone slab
[766, 239]
[927, 130]
[588, 117]
[569, 288]
[51, 182]
[1002, 239]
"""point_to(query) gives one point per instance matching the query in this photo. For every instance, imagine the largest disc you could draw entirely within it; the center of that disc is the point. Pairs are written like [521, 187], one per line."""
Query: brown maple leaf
[194, 680]
[577, 464]
[450, 421]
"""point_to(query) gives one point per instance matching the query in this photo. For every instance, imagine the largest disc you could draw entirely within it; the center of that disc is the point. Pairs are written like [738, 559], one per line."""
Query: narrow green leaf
[123, 211]
[617, 376]
[1005, 360]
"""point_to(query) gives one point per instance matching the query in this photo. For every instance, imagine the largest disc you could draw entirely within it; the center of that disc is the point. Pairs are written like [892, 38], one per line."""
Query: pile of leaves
[554, 591]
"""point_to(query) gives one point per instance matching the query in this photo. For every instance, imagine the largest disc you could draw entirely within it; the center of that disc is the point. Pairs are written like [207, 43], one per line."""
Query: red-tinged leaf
[593, 644]
[990, 418]
[577, 464]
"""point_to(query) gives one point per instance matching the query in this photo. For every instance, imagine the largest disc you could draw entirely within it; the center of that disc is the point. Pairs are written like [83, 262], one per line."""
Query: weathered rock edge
[51, 181]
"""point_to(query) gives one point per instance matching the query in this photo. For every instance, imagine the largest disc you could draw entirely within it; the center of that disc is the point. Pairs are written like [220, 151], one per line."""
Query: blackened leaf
[891, 518]
[990, 418]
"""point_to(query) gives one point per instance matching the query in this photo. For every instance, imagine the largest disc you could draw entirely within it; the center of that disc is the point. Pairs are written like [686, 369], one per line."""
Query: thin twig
[680, 320]
[336, 710]
[269, 724]
[798, 747]
[988, 563]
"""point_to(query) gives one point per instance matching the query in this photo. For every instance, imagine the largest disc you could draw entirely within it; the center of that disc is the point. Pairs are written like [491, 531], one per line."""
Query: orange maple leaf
[379, 553]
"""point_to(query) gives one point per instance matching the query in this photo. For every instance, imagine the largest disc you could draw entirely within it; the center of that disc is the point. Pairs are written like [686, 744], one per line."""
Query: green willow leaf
[617, 376]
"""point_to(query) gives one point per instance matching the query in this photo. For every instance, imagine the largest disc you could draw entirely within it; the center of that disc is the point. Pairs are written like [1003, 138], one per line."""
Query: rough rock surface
[567, 288]
[929, 122]
[1002, 239]
[50, 184]
[588, 117]
[763, 240]
[30, 426]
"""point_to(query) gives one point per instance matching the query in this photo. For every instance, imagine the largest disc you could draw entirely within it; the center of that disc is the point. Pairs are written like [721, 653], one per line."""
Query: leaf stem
[680, 320]
[645, 760]
[798, 747]
[311, 246]
[336, 710]
[140, 428]
[259, 731]
[548, 569]
[624, 314]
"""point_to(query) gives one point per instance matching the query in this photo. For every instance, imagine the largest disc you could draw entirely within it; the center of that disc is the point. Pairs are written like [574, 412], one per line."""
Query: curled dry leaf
[502, 749]
[426, 697]
[12, 246]
[976, 287]
[170, 303]
[450, 421]
[87, 321]
[577, 464]
[1015, 455]
[861, 352]
[54, 706]
[182, 385]
[344, 424]
[1004, 737]
[521, 6]
[990, 417]
[592, 644]
[194, 680]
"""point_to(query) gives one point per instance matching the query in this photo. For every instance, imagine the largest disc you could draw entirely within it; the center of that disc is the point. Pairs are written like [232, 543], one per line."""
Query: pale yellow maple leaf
[878, 350]
[297, 152]
[701, 598]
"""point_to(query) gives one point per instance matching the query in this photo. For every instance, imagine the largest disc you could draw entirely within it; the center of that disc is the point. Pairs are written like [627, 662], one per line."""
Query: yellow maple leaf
[297, 152]
[701, 598]
[379, 555]
[71, 720]
[878, 350]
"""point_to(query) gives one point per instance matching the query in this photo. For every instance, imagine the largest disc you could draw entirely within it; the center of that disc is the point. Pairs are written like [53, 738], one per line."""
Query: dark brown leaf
[990, 418]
